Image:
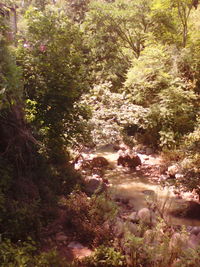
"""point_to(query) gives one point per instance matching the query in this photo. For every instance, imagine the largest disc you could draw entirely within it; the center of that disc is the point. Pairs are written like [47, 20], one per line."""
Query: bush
[105, 257]
[156, 82]
[157, 248]
[88, 218]
[24, 254]
[52, 43]
[112, 114]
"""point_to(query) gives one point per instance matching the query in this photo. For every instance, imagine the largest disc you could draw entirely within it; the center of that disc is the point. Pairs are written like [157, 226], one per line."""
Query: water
[138, 186]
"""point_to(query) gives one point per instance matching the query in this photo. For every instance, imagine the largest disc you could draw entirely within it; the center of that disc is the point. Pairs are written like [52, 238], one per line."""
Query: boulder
[78, 251]
[179, 176]
[195, 230]
[149, 236]
[133, 217]
[145, 215]
[178, 241]
[61, 237]
[188, 209]
[133, 228]
[149, 151]
[85, 164]
[99, 162]
[131, 161]
[118, 228]
[172, 171]
[193, 241]
[91, 164]
[75, 245]
[95, 185]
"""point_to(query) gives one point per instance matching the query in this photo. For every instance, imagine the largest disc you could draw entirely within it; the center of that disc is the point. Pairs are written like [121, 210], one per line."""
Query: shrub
[25, 254]
[156, 82]
[105, 257]
[87, 217]
[113, 113]
[52, 43]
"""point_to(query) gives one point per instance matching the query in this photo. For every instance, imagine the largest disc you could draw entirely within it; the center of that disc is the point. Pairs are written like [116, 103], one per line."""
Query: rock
[75, 245]
[163, 178]
[61, 237]
[118, 228]
[131, 203]
[133, 228]
[95, 185]
[178, 241]
[172, 170]
[99, 162]
[124, 201]
[192, 210]
[149, 236]
[90, 164]
[195, 230]
[145, 215]
[149, 151]
[133, 217]
[85, 164]
[129, 161]
[78, 251]
[193, 241]
[179, 176]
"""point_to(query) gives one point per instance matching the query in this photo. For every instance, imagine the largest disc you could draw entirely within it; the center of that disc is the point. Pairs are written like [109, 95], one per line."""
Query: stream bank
[134, 188]
[143, 196]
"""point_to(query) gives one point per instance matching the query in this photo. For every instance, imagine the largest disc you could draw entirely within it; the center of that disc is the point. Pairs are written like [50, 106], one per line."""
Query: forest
[99, 133]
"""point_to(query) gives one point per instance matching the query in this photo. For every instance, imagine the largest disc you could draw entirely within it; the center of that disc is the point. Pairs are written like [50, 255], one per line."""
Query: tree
[179, 11]
[156, 82]
[115, 32]
[54, 77]
[10, 85]
[127, 20]
[184, 9]
[76, 9]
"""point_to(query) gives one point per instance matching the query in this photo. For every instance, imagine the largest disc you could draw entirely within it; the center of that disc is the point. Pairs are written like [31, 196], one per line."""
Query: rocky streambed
[144, 196]
[144, 186]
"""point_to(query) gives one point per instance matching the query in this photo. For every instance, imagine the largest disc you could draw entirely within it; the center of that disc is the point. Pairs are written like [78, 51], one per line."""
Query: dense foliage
[89, 72]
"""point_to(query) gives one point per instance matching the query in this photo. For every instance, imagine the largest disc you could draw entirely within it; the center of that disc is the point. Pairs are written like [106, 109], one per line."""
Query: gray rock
[172, 170]
[179, 176]
[149, 236]
[193, 241]
[129, 160]
[195, 230]
[145, 215]
[133, 217]
[61, 237]
[178, 241]
[133, 228]
[75, 245]
[95, 185]
[163, 178]
[149, 151]
[118, 228]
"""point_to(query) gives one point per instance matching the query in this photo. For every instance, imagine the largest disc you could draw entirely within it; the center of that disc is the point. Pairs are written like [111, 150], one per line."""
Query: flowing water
[136, 186]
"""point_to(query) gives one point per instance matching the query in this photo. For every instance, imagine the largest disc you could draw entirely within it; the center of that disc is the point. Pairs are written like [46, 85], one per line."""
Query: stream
[136, 186]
